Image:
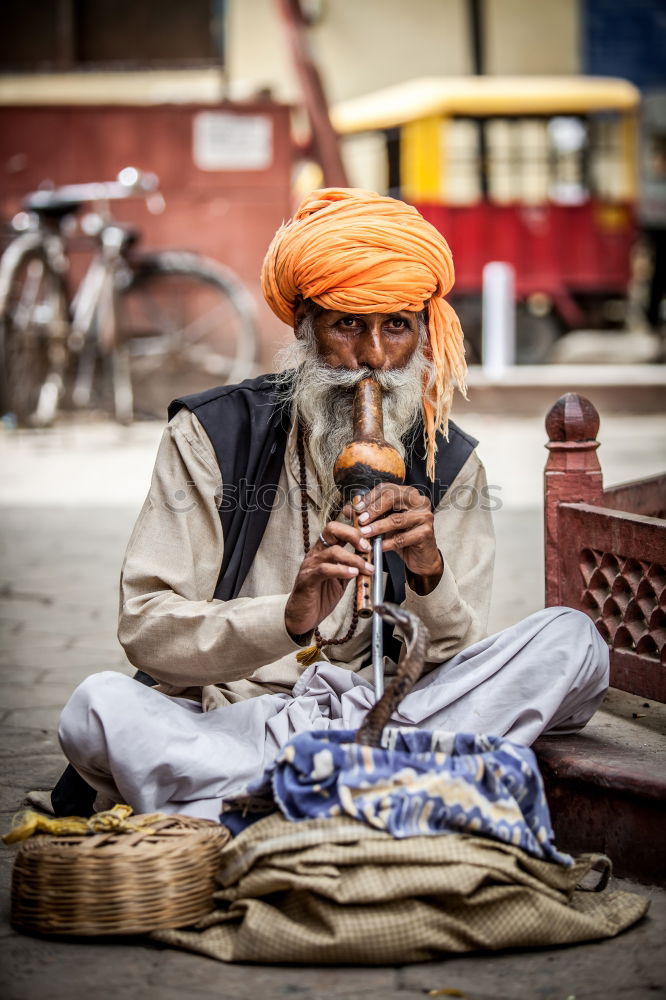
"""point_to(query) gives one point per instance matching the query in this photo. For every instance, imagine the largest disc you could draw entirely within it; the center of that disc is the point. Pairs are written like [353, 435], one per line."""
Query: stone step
[606, 786]
[528, 389]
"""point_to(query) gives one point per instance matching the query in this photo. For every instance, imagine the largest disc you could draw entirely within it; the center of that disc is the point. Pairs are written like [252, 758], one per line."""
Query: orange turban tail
[354, 251]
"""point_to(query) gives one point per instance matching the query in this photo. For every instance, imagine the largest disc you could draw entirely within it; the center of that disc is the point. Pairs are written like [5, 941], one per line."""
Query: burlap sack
[337, 891]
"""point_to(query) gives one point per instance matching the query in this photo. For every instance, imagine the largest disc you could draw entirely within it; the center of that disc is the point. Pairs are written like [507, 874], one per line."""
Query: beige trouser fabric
[547, 673]
[329, 891]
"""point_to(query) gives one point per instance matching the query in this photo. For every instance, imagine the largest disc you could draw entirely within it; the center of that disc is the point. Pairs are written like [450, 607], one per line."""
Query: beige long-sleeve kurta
[171, 626]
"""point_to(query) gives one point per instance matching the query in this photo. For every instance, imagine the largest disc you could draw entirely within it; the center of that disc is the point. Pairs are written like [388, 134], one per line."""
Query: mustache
[322, 396]
[337, 377]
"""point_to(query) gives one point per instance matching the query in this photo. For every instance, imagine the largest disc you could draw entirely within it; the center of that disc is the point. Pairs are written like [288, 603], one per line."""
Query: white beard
[322, 398]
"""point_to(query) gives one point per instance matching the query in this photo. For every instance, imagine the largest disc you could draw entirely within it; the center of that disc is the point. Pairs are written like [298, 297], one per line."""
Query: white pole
[377, 624]
[498, 322]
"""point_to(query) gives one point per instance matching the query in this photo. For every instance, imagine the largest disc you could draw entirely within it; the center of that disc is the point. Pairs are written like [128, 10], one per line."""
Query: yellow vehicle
[540, 172]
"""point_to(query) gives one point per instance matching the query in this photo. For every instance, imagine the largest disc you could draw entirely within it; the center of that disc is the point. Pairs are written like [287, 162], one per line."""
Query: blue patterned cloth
[421, 783]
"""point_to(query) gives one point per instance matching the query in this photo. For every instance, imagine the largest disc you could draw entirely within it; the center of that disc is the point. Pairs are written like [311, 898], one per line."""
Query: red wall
[230, 215]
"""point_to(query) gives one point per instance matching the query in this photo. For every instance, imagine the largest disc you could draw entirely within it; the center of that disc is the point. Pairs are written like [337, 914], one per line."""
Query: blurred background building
[493, 116]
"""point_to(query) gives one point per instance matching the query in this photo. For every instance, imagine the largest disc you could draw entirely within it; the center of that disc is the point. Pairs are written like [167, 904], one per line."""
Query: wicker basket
[117, 883]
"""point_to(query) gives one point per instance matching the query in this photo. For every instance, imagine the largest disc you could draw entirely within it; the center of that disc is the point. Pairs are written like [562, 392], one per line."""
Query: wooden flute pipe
[363, 582]
[364, 463]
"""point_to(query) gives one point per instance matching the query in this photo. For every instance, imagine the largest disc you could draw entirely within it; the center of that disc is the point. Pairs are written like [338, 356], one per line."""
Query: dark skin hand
[400, 513]
[323, 577]
[404, 517]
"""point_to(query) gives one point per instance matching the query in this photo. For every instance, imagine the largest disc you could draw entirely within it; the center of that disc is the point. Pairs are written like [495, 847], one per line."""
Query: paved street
[68, 500]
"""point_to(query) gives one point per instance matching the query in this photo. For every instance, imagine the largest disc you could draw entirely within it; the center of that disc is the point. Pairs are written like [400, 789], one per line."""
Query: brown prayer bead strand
[320, 641]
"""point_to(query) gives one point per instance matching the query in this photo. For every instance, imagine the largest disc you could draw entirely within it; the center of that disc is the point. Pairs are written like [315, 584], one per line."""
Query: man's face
[366, 340]
[335, 351]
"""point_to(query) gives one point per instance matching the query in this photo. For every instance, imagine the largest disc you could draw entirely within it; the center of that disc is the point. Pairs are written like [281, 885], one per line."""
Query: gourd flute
[361, 465]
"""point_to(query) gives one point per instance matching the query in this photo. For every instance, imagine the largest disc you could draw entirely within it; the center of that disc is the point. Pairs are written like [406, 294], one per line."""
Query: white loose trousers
[548, 673]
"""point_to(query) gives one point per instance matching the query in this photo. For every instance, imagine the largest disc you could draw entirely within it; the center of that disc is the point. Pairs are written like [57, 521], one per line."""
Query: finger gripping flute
[361, 465]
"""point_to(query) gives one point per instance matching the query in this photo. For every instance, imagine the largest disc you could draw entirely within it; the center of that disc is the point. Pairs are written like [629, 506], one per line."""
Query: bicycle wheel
[33, 338]
[190, 325]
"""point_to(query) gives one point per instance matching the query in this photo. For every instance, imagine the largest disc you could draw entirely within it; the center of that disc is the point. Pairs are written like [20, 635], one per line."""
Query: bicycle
[157, 324]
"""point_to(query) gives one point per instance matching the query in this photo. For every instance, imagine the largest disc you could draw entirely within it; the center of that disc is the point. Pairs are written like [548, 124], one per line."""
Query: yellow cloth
[115, 820]
[353, 250]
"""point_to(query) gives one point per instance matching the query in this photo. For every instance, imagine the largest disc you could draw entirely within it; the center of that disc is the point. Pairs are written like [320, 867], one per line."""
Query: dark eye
[348, 321]
[397, 323]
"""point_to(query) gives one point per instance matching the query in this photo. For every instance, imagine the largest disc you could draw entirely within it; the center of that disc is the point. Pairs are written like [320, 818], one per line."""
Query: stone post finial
[572, 475]
[572, 418]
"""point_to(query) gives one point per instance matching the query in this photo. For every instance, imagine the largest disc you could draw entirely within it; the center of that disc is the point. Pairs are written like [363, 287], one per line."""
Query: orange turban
[355, 251]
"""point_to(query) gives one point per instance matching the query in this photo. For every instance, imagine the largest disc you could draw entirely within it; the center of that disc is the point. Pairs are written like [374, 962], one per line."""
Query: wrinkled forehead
[312, 310]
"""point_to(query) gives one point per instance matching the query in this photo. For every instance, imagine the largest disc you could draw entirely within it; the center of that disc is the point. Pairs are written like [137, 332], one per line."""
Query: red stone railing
[606, 548]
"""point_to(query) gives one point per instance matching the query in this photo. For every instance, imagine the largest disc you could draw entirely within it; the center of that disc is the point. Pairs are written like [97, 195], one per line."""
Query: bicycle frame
[94, 325]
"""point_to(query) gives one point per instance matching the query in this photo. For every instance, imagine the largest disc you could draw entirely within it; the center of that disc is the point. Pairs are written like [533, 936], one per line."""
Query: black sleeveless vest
[248, 429]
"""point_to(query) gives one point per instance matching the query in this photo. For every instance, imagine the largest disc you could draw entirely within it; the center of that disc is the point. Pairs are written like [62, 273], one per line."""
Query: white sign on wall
[225, 141]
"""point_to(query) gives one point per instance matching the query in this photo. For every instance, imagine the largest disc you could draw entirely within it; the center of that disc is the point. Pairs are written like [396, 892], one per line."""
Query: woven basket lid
[118, 883]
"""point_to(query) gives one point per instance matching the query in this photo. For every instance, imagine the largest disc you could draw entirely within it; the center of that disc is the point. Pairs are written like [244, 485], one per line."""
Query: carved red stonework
[572, 475]
[606, 549]
[626, 598]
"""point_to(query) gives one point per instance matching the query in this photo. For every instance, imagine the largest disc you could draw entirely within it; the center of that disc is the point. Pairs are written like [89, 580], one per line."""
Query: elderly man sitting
[236, 578]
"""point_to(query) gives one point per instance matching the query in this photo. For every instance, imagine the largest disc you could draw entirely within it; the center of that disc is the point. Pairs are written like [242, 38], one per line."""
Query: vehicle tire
[535, 334]
[468, 309]
[190, 324]
[34, 326]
